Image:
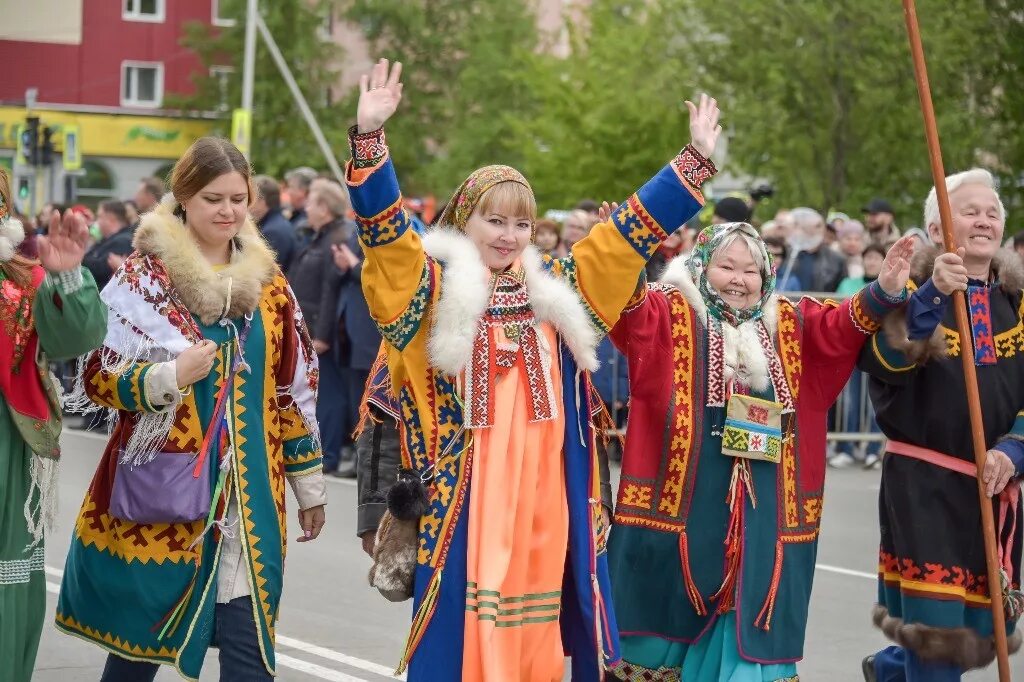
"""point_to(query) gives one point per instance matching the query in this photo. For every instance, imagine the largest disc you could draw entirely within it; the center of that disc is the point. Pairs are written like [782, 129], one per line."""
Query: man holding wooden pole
[933, 597]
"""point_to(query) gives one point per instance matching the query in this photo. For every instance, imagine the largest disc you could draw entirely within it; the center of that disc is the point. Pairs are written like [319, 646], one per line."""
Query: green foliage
[464, 83]
[819, 96]
[280, 137]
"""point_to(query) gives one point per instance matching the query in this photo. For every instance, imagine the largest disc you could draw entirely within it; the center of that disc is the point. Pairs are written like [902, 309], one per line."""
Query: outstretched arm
[397, 277]
[605, 266]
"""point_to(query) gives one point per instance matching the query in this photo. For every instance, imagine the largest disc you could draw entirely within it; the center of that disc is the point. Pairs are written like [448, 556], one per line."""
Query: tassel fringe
[42, 501]
[691, 587]
[764, 619]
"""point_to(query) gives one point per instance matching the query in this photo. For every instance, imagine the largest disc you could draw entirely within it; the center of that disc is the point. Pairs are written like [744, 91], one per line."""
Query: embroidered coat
[933, 594]
[55, 318]
[672, 517]
[123, 581]
[428, 297]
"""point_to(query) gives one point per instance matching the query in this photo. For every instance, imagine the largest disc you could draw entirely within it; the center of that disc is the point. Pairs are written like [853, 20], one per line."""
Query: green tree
[464, 84]
[612, 112]
[819, 96]
[280, 137]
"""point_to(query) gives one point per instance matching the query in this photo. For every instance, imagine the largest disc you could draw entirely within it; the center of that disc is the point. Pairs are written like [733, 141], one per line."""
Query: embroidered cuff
[162, 385]
[693, 166]
[67, 282]
[309, 490]
[368, 149]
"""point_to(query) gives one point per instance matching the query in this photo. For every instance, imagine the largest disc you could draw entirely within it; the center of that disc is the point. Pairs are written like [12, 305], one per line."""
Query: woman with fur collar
[180, 541]
[488, 343]
[934, 602]
[718, 511]
[50, 309]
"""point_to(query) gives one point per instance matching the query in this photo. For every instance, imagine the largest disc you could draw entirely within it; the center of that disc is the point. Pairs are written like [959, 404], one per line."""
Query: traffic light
[23, 189]
[46, 146]
[29, 148]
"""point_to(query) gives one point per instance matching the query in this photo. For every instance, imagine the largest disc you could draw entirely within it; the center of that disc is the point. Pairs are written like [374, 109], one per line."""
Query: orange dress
[518, 538]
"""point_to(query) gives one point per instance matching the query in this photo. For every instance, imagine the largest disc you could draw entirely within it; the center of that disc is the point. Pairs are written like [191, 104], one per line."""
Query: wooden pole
[966, 341]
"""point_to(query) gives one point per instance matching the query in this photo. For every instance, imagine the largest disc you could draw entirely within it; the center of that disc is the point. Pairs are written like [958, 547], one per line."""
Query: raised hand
[605, 210]
[896, 267]
[704, 128]
[64, 245]
[380, 91]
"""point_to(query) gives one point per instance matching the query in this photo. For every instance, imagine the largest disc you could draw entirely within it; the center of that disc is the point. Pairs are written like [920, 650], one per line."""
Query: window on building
[95, 183]
[143, 10]
[142, 84]
[222, 74]
[222, 14]
[326, 29]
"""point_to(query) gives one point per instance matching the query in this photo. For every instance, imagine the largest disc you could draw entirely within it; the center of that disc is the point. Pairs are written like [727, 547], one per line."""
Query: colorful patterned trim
[566, 269]
[638, 227]
[516, 611]
[693, 167]
[124, 649]
[869, 306]
[400, 331]
[633, 672]
[368, 149]
[935, 581]
[385, 227]
[980, 304]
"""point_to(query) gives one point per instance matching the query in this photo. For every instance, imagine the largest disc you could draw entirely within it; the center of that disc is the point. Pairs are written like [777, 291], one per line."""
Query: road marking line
[52, 587]
[333, 655]
[56, 573]
[846, 571]
[315, 670]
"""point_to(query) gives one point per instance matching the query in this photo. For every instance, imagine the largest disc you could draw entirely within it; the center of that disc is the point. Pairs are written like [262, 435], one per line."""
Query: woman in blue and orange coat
[487, 342]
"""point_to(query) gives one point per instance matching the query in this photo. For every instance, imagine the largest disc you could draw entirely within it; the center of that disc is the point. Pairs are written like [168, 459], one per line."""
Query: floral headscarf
[467, 196]
[708, 241]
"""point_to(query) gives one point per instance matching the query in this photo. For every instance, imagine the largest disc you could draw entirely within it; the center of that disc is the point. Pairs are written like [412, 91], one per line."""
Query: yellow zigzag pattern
[134, 650]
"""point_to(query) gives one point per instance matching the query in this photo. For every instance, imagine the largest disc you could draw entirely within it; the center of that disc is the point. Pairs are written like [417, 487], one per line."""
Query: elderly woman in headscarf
[488, 343]
[718, 512]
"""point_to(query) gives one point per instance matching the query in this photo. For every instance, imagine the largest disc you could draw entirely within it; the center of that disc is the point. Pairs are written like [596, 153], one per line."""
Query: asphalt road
[334, 627]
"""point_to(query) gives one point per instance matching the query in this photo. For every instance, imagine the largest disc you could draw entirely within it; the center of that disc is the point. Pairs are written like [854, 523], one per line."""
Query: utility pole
[241, 119]
[300, 100]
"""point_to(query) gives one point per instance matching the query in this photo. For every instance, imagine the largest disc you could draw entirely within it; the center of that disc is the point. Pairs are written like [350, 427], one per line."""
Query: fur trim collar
[1006, 264]
[231, 292]
[465, 293]
[12, 233]
[743, 352]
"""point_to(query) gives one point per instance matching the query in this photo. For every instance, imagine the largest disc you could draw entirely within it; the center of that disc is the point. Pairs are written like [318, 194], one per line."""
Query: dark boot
[867, 666]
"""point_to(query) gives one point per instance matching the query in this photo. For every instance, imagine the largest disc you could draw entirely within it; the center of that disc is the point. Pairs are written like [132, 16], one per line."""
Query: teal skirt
[714, 657]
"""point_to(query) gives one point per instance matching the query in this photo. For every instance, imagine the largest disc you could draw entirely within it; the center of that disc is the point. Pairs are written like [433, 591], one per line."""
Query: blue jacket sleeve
[925, 310]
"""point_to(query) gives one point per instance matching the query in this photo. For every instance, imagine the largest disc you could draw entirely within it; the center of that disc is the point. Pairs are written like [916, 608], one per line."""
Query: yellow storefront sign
[149, 137]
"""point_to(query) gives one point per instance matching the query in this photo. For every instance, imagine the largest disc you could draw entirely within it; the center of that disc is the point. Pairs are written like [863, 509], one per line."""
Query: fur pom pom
[12, 233]
[407, 499]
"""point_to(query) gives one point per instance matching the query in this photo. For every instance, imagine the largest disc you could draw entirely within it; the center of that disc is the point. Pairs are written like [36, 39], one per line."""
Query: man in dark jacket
[274, 227]
[817, 267]
[313, 279]
[106, 255]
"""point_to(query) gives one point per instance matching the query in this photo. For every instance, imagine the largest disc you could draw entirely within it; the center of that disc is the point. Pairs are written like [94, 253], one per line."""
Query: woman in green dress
[49, 310]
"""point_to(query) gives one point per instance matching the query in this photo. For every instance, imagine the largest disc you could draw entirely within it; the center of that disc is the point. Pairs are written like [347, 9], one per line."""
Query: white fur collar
[744, 355]
[231, 292]
[12, 233]
[465, 293]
